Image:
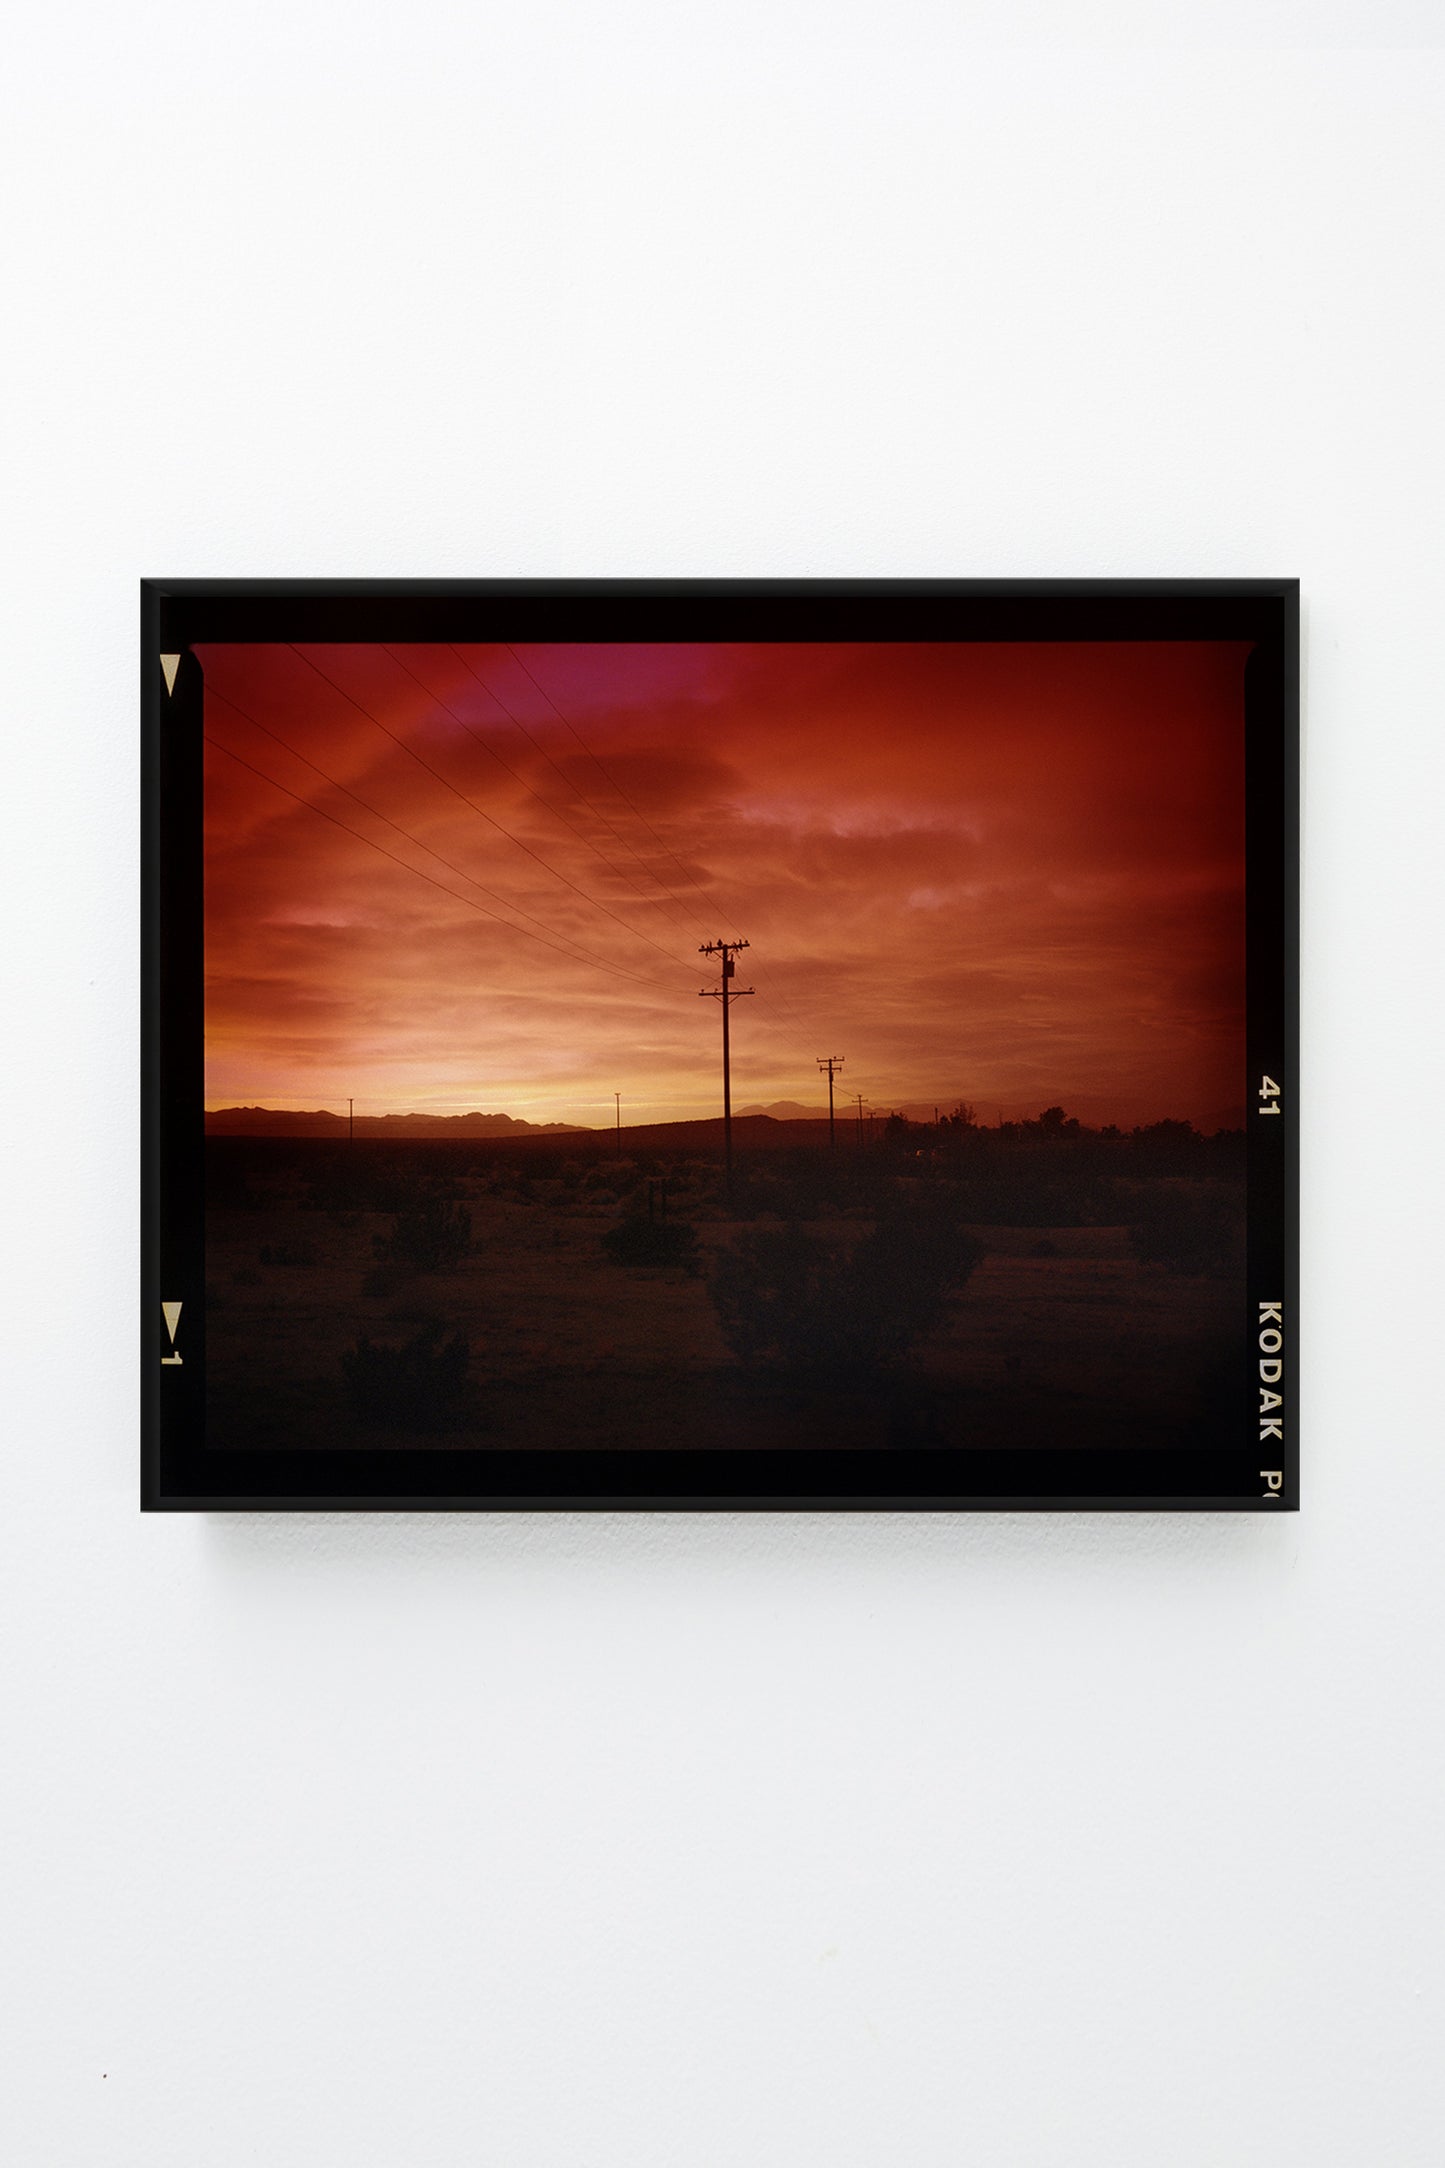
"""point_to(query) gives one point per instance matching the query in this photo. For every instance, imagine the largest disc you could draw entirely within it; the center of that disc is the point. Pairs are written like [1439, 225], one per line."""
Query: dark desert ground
[1099, 1304]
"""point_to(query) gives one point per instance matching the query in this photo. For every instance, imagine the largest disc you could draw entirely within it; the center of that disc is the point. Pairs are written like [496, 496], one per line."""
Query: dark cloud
[991, 870]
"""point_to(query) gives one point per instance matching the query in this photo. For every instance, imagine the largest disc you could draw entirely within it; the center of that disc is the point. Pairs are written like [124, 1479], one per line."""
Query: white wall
[763, 1843]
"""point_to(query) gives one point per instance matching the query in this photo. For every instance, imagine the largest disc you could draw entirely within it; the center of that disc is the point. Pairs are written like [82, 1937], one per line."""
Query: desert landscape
[759, 1045]
[1040, 1289]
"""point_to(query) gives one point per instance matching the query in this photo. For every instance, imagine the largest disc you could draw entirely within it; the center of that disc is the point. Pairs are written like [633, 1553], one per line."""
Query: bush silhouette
[421, 1385]
[792, 1300]
[349, 1179]
[429, 1239]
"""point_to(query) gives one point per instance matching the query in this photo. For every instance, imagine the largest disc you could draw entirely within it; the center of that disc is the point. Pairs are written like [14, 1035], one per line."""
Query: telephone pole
[858, 1103]
[830, 1062]
[618, 1097]
[727, 994]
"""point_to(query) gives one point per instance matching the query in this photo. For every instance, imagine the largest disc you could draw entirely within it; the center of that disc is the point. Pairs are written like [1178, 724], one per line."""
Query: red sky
[1006, 874]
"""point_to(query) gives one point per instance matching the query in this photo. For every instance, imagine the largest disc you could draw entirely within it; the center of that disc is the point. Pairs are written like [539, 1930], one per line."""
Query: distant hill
[784, 1122]
[289, 1122]
[705, 1135]
[787, 1110]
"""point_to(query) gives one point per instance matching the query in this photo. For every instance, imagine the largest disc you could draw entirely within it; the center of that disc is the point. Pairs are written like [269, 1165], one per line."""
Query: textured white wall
[769, 1843]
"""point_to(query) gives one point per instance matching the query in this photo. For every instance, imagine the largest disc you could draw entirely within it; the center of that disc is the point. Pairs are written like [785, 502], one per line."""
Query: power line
[491, 820]
[591, 805]
[376, 813]
[481, 811]
[685, 871]
[612, 782]
[620, 970]
[785, 1008]
[507, 768]
[575, 951]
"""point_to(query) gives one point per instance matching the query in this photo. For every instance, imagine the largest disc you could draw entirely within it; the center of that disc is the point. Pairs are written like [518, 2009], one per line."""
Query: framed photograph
[718, 1044]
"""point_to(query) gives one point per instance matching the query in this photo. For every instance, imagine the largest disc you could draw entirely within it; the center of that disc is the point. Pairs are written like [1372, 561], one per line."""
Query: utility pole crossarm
[727, 994]
[832, 1063]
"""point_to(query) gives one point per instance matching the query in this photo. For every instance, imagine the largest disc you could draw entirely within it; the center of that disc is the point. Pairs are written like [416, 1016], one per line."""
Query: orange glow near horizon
[1006, 874]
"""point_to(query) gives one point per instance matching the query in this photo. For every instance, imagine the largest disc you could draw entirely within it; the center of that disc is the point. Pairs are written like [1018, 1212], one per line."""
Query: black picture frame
[1248, 1463]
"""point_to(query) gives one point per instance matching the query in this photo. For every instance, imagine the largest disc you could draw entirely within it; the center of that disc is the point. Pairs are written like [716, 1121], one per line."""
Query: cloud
[981, 866]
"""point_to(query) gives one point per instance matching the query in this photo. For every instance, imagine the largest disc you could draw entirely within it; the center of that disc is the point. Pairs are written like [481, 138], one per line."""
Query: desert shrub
[421, 1385]
[792, 1300]
[608, 1180]
[405, 1187]
[652, 1242]
[1185, 1227]
[357, 1179]
[430, 1239]
[288, 1253]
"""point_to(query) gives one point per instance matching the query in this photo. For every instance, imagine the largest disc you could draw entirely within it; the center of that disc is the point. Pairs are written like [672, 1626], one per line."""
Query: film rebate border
[1255, 1467]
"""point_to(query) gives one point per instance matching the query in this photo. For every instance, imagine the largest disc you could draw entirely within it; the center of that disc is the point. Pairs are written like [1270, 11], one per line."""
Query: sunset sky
[1008, 874]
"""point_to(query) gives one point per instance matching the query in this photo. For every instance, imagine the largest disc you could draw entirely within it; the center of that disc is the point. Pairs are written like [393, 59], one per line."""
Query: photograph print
[719, 1044]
